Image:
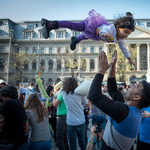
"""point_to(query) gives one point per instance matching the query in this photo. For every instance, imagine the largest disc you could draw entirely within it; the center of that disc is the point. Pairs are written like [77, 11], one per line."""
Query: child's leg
[81, 37]
[76, 40]
[77, 26]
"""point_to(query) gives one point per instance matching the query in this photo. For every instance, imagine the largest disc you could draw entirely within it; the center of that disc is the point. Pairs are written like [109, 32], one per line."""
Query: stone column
[138, 56]
[88, 65]
[96, 64]
[148, 53]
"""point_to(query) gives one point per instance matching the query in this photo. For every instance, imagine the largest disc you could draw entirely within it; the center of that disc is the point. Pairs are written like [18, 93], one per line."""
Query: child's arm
[125, 52]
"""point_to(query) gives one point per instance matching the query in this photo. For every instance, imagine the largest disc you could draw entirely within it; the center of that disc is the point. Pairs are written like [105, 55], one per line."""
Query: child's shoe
[47, 26]
[73, 43]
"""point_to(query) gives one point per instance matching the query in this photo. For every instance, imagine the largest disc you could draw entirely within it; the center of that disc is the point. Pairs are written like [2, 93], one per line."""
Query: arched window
[58, 64]
[58, 80]
[50, 64]
[50, 81]
[34, 63]
[42, 65]
[25, 80]
[26, 65]
[1, 64]
[66, 67]
[33, 80]
[92, 64]
[83, 64]
[75, 63]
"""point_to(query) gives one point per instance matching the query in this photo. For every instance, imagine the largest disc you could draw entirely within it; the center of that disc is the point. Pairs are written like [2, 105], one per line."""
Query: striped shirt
[40, 130]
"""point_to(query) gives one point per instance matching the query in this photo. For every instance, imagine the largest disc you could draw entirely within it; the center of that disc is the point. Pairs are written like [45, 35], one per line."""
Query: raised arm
[111, 83]
[118, 111]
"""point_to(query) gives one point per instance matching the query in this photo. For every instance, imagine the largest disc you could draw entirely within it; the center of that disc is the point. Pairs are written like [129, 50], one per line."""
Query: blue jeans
[45, 145]
[73, 132]
[99, 119]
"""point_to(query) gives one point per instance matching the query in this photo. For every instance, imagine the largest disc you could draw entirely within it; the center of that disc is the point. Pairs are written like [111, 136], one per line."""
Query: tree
[74, 62]
[123, 66]
[19, 62]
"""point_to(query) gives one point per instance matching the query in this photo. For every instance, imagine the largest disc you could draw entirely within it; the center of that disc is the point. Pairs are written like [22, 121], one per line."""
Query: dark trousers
[61, 133]
[77, 26]
[52, 121]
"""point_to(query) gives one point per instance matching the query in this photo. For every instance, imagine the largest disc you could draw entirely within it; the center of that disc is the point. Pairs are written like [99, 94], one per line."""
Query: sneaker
[73, 43]
[47, 26]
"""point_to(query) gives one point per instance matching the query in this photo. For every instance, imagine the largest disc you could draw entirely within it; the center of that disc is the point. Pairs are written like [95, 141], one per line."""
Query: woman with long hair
[37, 118]
[75, 115]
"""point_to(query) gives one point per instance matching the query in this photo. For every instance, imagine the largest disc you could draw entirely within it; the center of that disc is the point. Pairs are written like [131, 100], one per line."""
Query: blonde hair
[33, 102]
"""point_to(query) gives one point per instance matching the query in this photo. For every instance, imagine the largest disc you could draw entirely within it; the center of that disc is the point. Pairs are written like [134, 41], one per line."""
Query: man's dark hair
[9, 91]
[3, 83]
[120, 88]
[31, 84]
[36, 85]
[145, 95]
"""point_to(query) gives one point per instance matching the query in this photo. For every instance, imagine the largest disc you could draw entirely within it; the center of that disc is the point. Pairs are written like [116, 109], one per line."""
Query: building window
[26, 65]
[148, 24]
[59, 34]
[66, 67]
[51, 65]
[58, 80]
[50, 50]
[67, 35]
[50, 81]
[34, 50]
[51, 35]
[30, 26]
[42, 65]
[92, 49]
[42, 50]
[83, 64]
[35, 35]
[34, 80]
[19, 50]
[34, 65]
[100, 49]
[58, 50]
[1, 64]
[58, 64]
[143, 57]
[84, 50]
[28, 35]
[75, 63]
[75, 33]
[92, 64]
[2, 49]
[27, 50]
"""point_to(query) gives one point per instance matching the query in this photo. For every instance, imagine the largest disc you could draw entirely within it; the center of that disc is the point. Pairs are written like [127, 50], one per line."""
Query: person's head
[33, 102]
[139, 95]
[105, 89]
[98, 130]
[8, 92]
[32, 84]
[36, 86]
[69, 85]
[50, 90]
[22, 97]
[124, 26]
[120, 89]
[3, 84]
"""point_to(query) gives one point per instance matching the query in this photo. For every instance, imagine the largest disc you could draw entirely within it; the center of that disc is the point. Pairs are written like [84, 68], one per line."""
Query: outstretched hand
[107, 37]
[103, 63]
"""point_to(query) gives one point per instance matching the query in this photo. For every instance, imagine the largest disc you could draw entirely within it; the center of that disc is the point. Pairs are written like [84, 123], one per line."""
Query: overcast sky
[34, 10]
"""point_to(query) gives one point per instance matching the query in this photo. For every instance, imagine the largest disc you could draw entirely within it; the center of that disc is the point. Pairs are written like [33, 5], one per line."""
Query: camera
[98, 128]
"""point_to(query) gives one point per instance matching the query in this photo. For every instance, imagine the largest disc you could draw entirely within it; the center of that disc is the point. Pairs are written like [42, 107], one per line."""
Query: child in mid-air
[96, 28]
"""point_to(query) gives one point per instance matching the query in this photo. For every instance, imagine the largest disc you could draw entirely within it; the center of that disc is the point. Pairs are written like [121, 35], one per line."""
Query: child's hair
[125, 22]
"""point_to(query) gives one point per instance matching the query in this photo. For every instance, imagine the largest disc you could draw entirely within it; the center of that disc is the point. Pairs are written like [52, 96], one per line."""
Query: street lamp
[10, 34]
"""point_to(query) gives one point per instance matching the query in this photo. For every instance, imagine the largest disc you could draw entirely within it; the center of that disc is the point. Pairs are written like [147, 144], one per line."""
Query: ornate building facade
[17, 36]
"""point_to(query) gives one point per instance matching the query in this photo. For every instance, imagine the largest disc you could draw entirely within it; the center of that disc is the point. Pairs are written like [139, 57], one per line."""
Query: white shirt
[110, 29]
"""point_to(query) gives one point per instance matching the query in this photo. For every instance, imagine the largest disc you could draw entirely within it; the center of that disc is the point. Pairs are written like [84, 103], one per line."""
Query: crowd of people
[31, 116]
